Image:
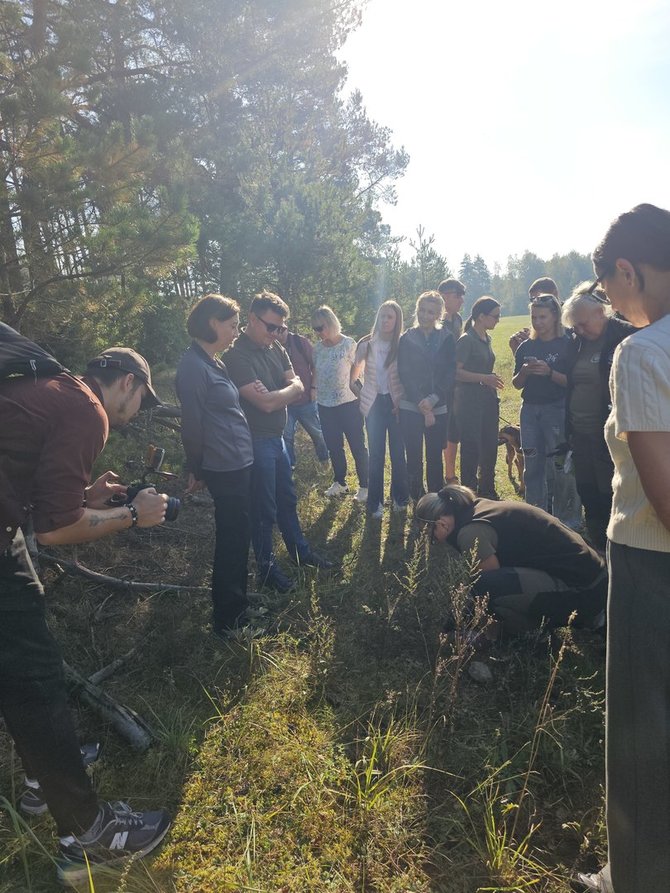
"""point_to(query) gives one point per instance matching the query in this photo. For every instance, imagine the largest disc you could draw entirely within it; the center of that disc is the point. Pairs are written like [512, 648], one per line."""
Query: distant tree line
[406, 278]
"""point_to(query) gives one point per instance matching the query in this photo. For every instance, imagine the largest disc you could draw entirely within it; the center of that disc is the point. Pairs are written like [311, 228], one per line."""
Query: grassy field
[350, 749]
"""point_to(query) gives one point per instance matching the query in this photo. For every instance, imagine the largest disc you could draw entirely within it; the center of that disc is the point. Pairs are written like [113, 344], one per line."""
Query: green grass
[349, 750]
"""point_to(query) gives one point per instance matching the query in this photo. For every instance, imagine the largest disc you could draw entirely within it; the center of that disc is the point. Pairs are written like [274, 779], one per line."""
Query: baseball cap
[128, 360]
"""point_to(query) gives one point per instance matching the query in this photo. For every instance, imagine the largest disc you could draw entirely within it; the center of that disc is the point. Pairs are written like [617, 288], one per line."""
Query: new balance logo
[119, 841]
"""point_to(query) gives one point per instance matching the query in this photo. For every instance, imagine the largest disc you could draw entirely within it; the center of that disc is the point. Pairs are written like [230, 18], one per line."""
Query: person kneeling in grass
[533, 568]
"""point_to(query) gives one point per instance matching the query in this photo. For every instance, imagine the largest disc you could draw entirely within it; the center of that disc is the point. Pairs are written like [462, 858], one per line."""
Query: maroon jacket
[300, 353]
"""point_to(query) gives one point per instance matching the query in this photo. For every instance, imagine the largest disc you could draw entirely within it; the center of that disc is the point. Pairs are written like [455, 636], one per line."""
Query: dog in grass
[510, 436]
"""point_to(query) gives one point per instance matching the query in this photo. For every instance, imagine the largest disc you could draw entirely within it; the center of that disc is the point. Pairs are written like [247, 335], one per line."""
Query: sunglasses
[273, 327]
[319, 329]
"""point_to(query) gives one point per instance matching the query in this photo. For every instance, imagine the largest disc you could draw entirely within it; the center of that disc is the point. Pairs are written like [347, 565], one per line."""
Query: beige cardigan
[365, 353]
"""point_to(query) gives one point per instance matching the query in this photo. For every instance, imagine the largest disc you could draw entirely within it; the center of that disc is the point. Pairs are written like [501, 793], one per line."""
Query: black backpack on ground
[19, 356]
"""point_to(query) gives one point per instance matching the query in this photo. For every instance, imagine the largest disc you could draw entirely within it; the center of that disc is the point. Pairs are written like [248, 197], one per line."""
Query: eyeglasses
[426, 521]
[595, 290]
[272, 327]
[319, 329]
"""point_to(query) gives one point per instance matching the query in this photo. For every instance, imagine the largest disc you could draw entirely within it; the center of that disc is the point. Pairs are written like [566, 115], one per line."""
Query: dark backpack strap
[19, 356]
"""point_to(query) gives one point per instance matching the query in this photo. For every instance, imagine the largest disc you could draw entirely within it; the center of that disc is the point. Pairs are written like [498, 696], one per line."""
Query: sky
[529, 125]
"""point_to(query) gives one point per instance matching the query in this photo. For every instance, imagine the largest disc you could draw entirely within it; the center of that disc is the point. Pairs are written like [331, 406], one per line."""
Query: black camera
[154, 460]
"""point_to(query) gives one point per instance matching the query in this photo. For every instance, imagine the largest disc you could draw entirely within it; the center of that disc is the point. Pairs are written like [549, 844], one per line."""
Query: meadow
[353, 748]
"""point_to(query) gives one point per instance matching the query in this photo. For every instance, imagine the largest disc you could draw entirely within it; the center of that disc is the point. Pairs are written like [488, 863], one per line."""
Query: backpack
[19, 356]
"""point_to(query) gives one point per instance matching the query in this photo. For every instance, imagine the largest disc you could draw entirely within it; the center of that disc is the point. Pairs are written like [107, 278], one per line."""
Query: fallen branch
[105, 672]
[74, 567]
[126, 722]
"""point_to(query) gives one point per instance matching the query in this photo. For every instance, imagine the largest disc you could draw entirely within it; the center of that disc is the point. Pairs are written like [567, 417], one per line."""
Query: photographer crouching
[52, 429]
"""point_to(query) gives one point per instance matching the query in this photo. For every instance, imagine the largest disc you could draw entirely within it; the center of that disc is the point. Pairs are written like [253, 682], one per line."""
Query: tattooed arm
[96, 523]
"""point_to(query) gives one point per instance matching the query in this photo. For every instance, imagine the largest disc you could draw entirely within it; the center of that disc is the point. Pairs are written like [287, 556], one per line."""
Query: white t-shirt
[380, 350]
[640, 386]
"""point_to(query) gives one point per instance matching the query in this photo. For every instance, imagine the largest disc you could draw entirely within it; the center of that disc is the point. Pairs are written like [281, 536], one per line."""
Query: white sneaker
[336, 489]
[378, 513]
[601, 882]
[362, 495]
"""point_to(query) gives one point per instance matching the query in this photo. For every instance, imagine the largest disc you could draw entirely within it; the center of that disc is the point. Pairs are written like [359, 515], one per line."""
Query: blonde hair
[583, 297]
[325, 315]
[429, 297]
[553, 304]
[397, 329]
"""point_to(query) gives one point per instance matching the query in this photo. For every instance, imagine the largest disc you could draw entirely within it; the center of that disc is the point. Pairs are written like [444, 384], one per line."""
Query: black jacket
[423, 372]
[615, 331]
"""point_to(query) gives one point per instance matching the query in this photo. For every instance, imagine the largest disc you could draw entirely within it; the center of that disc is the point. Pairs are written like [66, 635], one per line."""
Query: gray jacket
[214, 430]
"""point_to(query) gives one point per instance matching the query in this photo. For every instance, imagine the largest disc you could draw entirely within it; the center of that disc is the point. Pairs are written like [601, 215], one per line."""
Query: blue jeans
[308, 416]
[379, 421]
[542, 430]
[274, 500]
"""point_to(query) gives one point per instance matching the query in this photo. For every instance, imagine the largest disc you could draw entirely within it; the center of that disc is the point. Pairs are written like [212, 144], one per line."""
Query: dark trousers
[523, 598]
[414, 433]
[638, 719]
[33, 697]
[338, 422]
[593, 475]
[477, 411]
[380, 422]
[274, 501]
[231, 491]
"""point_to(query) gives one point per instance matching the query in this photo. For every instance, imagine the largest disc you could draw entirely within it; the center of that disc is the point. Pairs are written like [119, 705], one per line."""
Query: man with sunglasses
[260, 367]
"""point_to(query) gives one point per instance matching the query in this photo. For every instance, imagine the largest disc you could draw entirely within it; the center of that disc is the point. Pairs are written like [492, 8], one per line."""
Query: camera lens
[172, 510]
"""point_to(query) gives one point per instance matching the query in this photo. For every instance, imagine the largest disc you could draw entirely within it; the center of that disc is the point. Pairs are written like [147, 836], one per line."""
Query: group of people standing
[242, 394]
[587, 377]
[562, 365]
[424, 390]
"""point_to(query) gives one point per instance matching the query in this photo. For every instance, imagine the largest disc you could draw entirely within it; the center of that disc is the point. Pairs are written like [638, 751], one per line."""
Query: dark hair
[210, 307]
[481, 307]
[641, 236]
[544, 285]
[454, 499]
[267, 300]
[451, 285]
